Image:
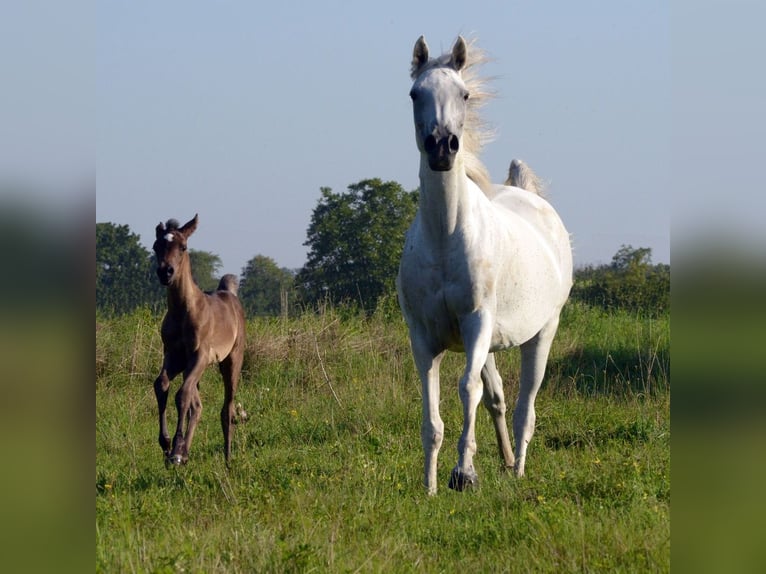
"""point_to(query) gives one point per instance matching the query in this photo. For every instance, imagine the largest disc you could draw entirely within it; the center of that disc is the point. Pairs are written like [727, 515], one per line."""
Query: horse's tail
[230, 283]
[521, 175]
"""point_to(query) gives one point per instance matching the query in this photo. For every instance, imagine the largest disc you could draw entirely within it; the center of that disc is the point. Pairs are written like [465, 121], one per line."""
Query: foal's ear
[190, 226]
[459, 54]
[160, 230]
[419, 57]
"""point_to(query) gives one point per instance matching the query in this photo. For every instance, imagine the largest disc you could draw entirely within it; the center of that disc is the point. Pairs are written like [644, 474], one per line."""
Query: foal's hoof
[240, 414]
[461, 481]
[174, 460]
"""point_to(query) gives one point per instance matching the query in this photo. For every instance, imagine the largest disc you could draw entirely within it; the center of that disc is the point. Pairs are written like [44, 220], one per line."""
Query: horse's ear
[160, 230]
[459, 54]
[419, 57]
[190, 226]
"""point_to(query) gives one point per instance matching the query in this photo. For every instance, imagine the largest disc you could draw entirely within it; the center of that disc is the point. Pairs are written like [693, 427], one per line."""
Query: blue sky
[241, 111]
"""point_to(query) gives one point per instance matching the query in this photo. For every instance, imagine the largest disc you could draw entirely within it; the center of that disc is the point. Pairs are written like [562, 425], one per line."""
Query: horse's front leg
[188, 403]
[161, 388]
[476, 330]
[432, 427]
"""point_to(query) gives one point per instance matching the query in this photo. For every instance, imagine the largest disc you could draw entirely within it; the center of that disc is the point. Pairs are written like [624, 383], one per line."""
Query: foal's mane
[476, 132]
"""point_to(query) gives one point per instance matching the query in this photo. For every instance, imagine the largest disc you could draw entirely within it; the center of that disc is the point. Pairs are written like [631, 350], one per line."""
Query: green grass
[326, 472]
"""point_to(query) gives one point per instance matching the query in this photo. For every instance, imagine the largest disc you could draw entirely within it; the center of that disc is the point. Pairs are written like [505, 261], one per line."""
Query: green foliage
[629, 282]
[326, 473]
[125, 277]
[356, 240]
[125, 271]
[205, 269]
[265, 288]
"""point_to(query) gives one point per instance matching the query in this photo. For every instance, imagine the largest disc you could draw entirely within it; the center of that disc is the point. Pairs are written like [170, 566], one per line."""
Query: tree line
[354, 244]
[629, 282]
[355, 240]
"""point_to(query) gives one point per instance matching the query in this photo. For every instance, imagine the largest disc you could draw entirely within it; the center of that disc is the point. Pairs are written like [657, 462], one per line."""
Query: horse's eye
[183, 247]
[466, 96]
[413, 95]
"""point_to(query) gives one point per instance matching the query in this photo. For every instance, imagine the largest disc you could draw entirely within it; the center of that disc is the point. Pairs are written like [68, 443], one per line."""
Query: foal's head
[170, 249]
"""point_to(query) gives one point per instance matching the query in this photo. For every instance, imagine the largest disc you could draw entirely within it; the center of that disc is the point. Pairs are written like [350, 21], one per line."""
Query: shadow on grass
[617, 372]
[636, 432]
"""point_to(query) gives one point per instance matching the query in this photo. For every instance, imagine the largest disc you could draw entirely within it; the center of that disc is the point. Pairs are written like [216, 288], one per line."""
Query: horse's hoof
[174, 460]
[461, 481]
[240, 414]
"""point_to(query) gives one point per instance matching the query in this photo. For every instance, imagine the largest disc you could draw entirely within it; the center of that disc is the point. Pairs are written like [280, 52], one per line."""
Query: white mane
[476, 133]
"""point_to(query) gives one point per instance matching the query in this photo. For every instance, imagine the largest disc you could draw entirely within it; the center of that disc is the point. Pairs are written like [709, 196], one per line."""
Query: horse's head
[439, 103]
[170, 248]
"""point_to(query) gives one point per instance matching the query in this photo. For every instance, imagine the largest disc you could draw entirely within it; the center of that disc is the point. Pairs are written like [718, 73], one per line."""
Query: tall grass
[326, 472]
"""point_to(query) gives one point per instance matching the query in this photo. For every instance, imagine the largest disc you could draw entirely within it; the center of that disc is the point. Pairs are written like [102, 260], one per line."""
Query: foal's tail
[521, 175]
[229, 283]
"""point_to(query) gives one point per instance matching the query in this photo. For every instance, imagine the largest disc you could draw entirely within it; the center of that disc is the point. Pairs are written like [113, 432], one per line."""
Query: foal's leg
[161, 387]
[534, 356]
[187, 402]
[432, 428]
[195, 413]
[477, 333]
[494, 400]
[230, 369]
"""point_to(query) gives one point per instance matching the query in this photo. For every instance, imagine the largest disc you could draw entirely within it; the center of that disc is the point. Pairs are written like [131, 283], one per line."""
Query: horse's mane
[476, 133]
[172, 224]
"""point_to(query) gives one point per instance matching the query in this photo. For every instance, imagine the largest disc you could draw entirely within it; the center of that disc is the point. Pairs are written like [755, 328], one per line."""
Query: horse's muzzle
[165, 274]
[441, 152]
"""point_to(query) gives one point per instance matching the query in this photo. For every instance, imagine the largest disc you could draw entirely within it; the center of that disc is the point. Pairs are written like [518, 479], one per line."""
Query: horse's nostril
[454, 143]
[165, 273]
[430, 143]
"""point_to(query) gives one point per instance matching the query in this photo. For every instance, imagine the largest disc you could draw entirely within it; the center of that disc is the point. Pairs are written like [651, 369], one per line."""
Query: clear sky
[241, 111]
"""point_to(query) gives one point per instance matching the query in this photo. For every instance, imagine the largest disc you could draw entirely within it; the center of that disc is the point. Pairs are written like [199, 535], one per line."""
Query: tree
[265, 288]
[627, 259]
[629, 282]
[205, 268]
[124, 275]
[125, 271]
[355, 242]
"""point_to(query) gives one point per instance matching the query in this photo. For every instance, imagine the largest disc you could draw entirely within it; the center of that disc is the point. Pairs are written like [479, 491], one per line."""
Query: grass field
[326, 472]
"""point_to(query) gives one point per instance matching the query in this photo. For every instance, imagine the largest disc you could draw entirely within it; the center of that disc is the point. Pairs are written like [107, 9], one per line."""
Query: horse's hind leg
[534, 356]
[494, 400]
[230, 369]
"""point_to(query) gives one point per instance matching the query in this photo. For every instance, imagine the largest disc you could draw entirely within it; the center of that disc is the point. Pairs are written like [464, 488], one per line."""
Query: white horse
[485, 267]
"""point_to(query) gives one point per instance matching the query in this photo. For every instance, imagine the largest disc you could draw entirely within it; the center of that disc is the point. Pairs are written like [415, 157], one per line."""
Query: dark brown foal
[198, 329]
